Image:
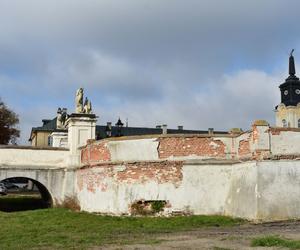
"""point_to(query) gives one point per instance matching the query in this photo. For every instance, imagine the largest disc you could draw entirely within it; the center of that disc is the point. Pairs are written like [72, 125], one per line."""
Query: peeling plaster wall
[134, 150]
[151, 149]
[195, 188]
[278, 190]
[285, 141]
[244, 149]
[241, 200]
[266, 190]
[112, 188]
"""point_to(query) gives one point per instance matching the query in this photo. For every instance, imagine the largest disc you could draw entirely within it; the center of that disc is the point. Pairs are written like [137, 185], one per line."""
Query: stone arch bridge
[45, 167]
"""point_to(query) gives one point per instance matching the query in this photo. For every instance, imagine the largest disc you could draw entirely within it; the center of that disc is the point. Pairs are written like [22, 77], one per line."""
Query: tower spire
[292, 70]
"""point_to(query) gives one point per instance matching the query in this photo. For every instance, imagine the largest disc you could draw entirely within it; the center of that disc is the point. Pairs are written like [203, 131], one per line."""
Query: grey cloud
[179, 62]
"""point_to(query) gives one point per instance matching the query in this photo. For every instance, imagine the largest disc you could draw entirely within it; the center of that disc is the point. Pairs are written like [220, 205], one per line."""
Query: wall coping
[284, 129]
[33, 148]
[139, 137]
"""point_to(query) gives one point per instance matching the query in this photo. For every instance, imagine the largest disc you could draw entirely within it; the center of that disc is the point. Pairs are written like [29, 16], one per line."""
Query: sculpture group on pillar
[81, 107]
[84, 108]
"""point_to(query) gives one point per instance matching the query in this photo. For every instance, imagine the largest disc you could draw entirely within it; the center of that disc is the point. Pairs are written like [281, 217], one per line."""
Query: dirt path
[238, 237]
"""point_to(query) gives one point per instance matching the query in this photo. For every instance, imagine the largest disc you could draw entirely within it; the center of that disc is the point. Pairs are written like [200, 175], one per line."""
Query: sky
[195, 63]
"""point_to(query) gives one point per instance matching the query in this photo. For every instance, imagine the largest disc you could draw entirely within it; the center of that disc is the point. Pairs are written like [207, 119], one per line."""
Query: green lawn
[61, 228]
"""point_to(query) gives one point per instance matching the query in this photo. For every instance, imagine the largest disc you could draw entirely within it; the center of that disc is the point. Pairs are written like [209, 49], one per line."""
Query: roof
[50, 126]
[131, 131]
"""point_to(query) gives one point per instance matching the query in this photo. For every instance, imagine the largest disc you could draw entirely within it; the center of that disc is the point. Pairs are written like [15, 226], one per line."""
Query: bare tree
[8, 121]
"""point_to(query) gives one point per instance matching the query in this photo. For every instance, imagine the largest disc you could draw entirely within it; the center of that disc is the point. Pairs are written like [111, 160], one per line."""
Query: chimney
[210, 131]
[180, 127]
[108, 129]
[45, 121]
[164, 129]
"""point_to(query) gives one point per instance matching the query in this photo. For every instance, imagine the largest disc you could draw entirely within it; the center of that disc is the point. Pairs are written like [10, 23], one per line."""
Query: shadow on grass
[14, 203]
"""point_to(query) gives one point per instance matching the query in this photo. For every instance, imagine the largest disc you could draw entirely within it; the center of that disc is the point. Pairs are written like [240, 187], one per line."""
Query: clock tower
[288, 111]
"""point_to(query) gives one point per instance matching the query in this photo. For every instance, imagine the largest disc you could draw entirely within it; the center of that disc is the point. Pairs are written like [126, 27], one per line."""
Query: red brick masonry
[185, 146]
[100, 176]
[94, 153]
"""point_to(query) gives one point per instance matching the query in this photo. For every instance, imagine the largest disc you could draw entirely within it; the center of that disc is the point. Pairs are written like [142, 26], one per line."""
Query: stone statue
[292, 70]
[59, 123]
[79, 101]
[62, 117]
[87, 107]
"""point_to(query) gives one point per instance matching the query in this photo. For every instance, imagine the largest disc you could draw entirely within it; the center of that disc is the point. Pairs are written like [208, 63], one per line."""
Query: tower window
[284, 124]
[299, 123]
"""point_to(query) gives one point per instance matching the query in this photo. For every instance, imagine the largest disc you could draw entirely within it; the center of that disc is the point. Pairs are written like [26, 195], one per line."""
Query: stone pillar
[59, 139]
[81, 127]
[261, 139]
[164, 129]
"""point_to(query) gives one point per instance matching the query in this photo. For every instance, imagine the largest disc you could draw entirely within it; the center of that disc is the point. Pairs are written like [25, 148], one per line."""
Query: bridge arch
[46, 197]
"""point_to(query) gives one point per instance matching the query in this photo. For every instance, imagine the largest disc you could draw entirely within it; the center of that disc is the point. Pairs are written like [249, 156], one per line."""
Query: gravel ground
[237, 237]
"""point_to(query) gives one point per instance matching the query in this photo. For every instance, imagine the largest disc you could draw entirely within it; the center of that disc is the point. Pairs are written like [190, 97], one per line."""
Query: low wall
[157, 148]
[285, 141]
[264, 191]
[113, 188]
[33, 156]
[261, 142]
[253, 175]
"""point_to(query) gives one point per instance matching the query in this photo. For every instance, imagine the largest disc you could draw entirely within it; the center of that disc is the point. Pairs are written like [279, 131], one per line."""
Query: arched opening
[284, 123]
[22, 193]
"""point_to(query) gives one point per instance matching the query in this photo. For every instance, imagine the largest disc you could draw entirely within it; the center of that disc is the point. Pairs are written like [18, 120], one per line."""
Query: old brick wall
[244, 146]
[95, 152]
[98, 177]
[191, 146]
[260, 143]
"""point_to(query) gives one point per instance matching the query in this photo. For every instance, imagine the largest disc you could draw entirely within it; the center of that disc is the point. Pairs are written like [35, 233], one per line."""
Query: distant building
[288, 111]
[42, 136]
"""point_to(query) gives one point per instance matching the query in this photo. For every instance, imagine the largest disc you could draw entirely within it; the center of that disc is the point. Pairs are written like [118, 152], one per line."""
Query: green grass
[61, 228]
[272, 241]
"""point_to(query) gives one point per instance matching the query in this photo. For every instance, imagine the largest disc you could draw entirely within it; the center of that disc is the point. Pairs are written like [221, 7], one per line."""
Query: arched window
[284, 124]
[299, 123]
[50, 140]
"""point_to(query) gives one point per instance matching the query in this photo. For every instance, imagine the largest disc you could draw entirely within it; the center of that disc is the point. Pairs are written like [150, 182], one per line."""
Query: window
[50, 140]
[284, 124]
[299, 123]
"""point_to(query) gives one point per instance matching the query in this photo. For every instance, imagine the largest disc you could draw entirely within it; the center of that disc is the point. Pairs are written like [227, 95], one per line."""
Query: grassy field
[61, 228]
[275, 241]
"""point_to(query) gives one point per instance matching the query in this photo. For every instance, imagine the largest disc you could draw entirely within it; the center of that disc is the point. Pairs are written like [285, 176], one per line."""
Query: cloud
[194, 63]
[234, 101]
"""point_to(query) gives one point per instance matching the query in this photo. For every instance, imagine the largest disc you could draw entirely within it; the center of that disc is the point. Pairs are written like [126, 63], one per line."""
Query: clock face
[285, 92]
[297, 91]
